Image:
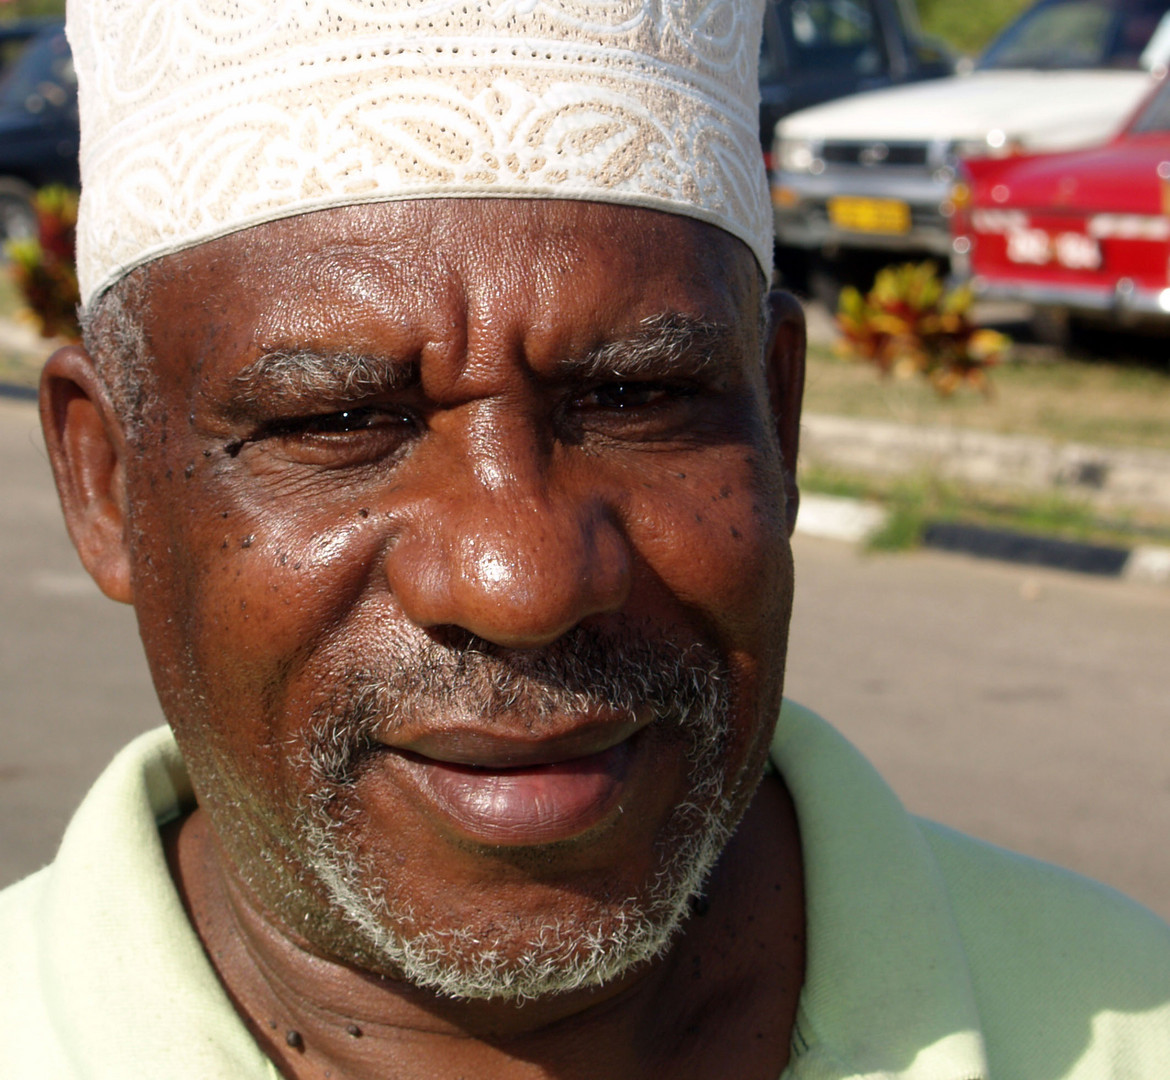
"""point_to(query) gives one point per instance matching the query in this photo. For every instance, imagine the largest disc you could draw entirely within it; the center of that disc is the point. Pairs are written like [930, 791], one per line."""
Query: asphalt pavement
[1024, 706]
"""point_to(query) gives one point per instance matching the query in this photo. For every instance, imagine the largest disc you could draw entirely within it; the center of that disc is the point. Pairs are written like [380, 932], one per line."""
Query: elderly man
[436, 421]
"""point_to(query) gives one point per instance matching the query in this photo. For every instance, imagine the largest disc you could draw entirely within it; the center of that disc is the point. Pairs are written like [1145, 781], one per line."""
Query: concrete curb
[1103, 476]
[834, 517]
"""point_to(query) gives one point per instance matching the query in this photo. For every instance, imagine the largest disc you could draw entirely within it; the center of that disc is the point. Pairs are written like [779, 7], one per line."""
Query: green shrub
[909, 324]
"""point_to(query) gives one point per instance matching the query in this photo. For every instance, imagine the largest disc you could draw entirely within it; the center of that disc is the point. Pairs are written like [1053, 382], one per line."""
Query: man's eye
[342, 423]
[632, 395]
[345, 437]
[371, 418]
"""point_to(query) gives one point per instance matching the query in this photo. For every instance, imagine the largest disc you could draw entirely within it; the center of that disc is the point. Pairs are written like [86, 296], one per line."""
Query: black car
[816, 50]
[38, 127]
[16, 33]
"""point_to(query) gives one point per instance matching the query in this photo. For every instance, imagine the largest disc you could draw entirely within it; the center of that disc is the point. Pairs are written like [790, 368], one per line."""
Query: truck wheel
[1051, 326]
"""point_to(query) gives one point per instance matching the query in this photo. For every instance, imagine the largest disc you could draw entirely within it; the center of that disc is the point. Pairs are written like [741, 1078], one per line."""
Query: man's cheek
[719, 546]
[261, 594]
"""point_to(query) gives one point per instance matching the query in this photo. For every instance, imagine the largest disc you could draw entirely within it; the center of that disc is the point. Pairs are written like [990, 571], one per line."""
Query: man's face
[459, 551]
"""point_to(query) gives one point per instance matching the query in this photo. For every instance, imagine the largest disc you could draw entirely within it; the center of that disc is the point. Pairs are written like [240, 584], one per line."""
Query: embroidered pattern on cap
[202, 117]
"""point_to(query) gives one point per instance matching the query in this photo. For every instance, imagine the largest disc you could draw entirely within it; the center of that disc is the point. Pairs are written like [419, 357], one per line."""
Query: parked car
[38, 127]
[816, 50]
[1082, 233]
[16, 32]
[874, 172]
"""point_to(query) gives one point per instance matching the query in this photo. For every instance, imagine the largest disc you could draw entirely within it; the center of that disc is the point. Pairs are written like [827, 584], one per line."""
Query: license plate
[891, 216]
[1038, 247]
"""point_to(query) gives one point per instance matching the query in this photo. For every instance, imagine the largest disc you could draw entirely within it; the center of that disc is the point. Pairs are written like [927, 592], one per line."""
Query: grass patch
[10, 301]
[903, 529]
[1116, 403]
[21, 369]
[22, 352]
[21, 356]
[914, 502]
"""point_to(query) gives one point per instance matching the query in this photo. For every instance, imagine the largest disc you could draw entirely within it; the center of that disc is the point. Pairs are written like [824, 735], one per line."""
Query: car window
[42, 78]
[772, 49]
[1134, 34]
[10, 49]
[1077, 34]
[828, 35]
[1156, 115]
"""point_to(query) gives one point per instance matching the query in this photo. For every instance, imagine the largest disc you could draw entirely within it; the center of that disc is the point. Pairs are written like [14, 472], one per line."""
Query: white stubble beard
[568, 952]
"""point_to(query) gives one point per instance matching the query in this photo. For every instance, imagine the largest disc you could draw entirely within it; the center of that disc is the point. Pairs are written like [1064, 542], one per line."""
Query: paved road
[73, 682]
[1025, 707]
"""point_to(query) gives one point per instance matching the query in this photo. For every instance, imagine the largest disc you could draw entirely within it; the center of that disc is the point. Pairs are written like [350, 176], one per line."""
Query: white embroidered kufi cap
[203, 117]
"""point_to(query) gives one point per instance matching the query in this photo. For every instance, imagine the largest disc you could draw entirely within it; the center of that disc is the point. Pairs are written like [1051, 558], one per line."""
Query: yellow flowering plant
[910, 324]
[44, 267]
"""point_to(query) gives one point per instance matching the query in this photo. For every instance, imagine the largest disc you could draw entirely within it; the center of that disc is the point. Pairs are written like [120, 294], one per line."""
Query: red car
[1083, 233]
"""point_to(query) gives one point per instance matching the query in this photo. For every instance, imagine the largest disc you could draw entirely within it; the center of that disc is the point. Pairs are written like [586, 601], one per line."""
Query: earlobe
[87, 450]
[784, 358]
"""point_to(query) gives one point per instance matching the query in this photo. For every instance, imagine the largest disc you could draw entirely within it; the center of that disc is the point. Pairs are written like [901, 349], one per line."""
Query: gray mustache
[620, 670]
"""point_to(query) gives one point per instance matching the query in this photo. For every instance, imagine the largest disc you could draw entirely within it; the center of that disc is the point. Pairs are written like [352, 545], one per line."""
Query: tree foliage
[19, 9]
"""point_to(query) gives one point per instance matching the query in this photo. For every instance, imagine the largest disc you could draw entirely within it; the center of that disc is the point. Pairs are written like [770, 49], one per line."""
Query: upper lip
[492, 750]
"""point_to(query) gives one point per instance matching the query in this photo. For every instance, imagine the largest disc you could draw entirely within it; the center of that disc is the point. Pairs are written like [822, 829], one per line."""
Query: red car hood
[1120, 177]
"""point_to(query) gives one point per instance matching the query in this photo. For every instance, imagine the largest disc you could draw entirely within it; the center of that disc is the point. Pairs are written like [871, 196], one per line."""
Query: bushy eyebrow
[317, 374]
[663, 345]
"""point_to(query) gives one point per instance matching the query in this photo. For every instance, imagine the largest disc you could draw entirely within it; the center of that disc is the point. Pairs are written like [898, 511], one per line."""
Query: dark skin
[502, 484]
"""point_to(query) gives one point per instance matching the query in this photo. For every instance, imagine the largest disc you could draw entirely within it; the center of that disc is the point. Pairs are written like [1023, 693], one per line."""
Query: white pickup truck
[875, 171]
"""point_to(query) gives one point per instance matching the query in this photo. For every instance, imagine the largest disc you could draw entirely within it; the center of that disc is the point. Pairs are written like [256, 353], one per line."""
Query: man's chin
[460, 952]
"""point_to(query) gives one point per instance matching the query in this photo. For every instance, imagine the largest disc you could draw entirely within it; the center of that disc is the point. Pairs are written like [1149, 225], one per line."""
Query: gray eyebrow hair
[661, 344]
[317, 373]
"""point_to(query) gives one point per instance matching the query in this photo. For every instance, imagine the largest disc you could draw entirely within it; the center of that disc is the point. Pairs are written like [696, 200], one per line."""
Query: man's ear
[784, 363]
[87, 450]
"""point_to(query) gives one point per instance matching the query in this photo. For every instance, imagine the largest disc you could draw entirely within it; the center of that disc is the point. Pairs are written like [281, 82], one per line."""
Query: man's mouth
[507, 791]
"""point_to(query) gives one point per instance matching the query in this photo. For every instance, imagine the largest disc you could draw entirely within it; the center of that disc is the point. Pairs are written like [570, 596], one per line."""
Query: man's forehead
[555, 266]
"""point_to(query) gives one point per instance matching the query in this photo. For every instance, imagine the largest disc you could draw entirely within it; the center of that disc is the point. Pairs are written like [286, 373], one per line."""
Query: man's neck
[722, 1002]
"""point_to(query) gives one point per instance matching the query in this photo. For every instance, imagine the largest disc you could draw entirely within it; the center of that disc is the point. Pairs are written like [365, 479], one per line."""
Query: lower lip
[536, 804]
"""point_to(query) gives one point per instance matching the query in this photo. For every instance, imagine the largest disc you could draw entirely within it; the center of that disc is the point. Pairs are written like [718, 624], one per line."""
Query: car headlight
[996, 143]
[797, 155]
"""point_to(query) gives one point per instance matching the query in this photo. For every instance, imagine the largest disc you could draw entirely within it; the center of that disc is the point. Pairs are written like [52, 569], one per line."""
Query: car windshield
[11, 46]
[42, 77]
[1077, 34]
[822, 36]
[1156, 115]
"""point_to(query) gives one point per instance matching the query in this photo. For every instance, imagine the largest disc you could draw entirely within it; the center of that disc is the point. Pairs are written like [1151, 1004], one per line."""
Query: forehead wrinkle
[316, 373]
[671, 344]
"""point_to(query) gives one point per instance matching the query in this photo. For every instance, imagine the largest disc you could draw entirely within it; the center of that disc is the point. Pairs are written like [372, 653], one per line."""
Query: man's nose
[515, 556]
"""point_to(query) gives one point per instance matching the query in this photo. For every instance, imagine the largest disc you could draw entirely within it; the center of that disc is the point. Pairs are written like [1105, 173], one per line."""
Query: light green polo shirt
[931, 956]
